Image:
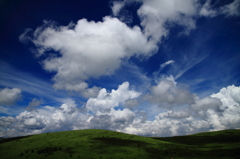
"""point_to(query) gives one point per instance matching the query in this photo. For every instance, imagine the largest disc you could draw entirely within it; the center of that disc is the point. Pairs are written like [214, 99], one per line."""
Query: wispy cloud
[166, 63]
[13, 78]
[186, 64]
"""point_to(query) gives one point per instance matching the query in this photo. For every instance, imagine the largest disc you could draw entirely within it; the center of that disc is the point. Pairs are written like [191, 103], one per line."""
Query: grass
[97, 143]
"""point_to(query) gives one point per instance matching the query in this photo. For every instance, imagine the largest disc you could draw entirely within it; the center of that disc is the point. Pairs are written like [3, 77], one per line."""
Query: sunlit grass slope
[96, 143]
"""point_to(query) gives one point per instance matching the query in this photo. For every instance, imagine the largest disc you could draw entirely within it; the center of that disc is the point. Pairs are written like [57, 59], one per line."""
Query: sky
[144, 67]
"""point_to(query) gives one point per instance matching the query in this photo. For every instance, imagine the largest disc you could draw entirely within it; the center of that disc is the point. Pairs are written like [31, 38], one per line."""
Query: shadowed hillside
[96, 143]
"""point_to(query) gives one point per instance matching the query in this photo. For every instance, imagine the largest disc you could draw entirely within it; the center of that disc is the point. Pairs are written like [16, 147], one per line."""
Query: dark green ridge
[97, 143]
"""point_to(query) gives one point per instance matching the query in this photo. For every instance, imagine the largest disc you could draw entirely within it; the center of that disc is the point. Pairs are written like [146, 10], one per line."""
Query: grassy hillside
[95, 143]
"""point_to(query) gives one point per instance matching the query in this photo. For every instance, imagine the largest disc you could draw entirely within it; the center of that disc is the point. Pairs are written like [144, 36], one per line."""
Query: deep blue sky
[131, 66]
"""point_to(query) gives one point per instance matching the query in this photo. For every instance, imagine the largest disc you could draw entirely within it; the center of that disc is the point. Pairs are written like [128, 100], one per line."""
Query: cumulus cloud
[157, 16]
[178, 114]
[106, 101]
[206, 103]
[229, 117]
[87, 50]
[9, 96]
[131, 103]
[166, 93]
[69, 117]
[166, 123]
[7, 121]
[229, 96]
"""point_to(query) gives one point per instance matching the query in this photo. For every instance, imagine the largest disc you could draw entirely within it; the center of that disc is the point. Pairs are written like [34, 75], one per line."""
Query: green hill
[96, 143]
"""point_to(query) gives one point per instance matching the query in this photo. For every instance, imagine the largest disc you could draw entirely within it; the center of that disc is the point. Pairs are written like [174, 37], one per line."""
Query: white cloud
[7, 121]
[206, 103]
[207, 11]
[214, 120]
[117, 6]
[229, 96]
[11, 77]
[166, 63]
[158, 127]
[232, 9]
[122, 115]
[162, 66]
[106, 100]
[9, 96]
[179, 121]
[167, 93]
[157, 15]
[31, 120]
[88, 50]
[69, 117]
[230, 117]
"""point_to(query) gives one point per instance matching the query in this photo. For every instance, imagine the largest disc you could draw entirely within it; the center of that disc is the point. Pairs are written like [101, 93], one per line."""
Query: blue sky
[150, 68]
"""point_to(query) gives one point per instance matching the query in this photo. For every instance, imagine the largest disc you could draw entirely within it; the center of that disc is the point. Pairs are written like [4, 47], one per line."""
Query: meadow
[97, 143]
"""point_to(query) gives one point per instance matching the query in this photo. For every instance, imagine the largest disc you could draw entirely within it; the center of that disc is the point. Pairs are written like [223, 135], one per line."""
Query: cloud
[232, 9]
[190, 60]
[117, 6]
[207, 11]
[33, 103]
[69, 117]
[7, 121]
[178, 114]
[206, 103]
[4, 110]
[179, 121]
[131, 103]
[106, 101]
[162, 66]
[157, 16]
[11, 77]
[112, 120]
[166, 93]
[30, 120]
[166, 63]
[88, 50]
[229, 96]
[229, 117]
[9, 96]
